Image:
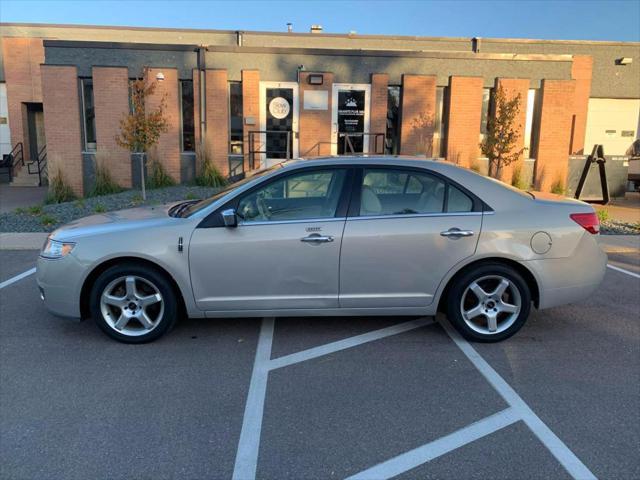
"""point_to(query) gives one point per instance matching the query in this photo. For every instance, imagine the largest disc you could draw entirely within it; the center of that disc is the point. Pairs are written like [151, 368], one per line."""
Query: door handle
[456, 233]
[315, 238]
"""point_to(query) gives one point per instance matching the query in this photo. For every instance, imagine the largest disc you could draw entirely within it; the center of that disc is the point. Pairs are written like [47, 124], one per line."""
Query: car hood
[121, 220]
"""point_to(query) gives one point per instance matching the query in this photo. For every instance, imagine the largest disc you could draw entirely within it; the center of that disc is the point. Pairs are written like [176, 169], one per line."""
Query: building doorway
[350, 118]
[278, 123]
[35, 130]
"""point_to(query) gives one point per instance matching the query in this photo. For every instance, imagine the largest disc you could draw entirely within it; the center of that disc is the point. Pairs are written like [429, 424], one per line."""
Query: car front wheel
[133, 303]
[489, 303]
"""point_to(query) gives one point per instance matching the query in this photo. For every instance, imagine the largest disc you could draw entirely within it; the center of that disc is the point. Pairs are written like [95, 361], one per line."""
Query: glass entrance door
[350, 119]
[278, 121]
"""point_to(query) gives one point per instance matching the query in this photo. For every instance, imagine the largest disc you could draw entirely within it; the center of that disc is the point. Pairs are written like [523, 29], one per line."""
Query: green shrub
[603, 215]
[35, 210]
[104, 184]
[79, 204]
[558, 187]
[517, 180]
[190, 196]
[136, 199]
[208, 174]
[99, 208]
[48, 220]
[59, 190]
[158, 176]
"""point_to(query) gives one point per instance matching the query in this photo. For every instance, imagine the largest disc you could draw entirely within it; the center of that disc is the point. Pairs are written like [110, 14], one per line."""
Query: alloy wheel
[490, 304]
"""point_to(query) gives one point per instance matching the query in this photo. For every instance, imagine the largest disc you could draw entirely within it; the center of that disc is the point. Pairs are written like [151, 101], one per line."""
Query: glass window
[486, 112]
[235, 118]
[302, 196]
[89, 114]
[188, 124]
[458, 201]
[393, 120]
[399, 192]
[440, 126]
[532, 123]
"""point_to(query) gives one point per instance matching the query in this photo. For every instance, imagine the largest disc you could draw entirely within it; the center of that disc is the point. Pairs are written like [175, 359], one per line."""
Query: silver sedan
[333, 236]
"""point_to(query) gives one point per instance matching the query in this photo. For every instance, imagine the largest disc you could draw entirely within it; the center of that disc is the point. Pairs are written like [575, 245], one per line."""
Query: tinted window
[458, 201]
[398, 192]
[301, 196]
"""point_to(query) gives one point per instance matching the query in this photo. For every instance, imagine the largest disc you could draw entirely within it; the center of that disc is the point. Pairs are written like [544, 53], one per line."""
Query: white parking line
[348, 343]
[6, 283]
[413, 458]
[249, 444]
[622, 270]
[558, 449]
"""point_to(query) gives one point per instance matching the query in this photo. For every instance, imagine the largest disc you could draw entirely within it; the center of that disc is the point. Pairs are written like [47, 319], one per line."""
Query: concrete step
[24, 181]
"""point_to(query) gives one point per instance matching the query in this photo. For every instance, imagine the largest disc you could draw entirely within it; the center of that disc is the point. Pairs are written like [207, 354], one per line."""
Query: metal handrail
[40, 163]
[18, 154]
[349, 145]
[252, 151]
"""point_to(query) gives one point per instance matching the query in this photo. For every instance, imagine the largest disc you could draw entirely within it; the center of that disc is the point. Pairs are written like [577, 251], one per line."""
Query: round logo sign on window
[279, 108]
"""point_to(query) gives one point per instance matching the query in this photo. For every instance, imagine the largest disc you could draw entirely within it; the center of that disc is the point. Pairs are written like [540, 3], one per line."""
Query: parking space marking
[558, 449]
[622, 270]
[12, 280]
[249, 445]
[416, 457]
[348, 343]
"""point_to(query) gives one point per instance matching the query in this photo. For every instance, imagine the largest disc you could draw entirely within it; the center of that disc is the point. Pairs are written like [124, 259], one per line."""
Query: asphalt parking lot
[324, 397]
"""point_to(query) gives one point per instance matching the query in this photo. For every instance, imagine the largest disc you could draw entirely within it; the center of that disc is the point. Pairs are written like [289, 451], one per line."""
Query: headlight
[56, 249]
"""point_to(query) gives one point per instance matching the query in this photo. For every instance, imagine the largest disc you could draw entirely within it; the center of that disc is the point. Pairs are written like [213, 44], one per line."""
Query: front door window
[279, 115]
[351, 109]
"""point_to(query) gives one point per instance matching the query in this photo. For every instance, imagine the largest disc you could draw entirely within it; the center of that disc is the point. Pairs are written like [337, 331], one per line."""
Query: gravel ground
[614, 227]
[46, 218]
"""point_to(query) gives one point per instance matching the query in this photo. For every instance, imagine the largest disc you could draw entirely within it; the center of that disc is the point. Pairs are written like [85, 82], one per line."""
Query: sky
[546, 19]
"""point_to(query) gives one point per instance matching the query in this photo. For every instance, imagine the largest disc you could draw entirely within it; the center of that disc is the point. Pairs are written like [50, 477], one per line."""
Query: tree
[141, 128]
[500, 142]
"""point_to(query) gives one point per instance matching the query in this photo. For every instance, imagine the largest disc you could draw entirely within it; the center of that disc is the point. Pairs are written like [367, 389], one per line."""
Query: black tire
[465, 279]
[167, 314]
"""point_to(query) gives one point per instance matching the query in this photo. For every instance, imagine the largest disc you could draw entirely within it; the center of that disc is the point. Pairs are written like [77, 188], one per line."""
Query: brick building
[256, 98]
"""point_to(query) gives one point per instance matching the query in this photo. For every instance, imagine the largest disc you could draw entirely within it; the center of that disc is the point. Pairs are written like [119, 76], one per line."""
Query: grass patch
[20, 211]
[158, 176]
[79, 204]
[105, 184]
[99, 208]
[517, 179]
[603, 215]
[34, 210]
[48, 220]
[59, 190]
[558, 188]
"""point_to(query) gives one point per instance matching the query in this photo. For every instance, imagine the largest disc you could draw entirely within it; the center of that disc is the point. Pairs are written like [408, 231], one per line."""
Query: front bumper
[60, 283]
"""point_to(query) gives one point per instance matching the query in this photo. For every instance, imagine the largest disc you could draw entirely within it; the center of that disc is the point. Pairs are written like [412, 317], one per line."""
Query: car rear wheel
[133, 303]
[489, 303]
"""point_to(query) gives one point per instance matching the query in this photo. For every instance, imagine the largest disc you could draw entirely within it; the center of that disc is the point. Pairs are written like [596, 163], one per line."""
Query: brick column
[250, 108]
[379, 104]
[555, 133]
[418, 114]
[315, 125]
[22, 59]
[62, 124]
[465, 114]
[581, 69]
[218, 119]
[512, 87]
[167, 151]
[111, 99]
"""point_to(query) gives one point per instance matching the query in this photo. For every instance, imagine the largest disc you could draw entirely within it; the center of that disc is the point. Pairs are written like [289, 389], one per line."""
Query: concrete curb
[22, 241]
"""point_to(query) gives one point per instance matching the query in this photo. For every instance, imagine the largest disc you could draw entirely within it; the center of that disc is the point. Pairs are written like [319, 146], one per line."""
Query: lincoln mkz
[329, 237]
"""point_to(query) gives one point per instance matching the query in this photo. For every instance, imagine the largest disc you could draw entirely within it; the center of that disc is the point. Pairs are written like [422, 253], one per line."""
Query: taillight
[588, 221]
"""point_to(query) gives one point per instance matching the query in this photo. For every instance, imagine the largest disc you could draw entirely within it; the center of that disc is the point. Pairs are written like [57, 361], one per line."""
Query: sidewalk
[623, 209]
[14, 197]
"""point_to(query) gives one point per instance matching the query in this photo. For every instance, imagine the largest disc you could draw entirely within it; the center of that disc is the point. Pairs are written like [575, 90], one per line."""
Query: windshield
[197, 206]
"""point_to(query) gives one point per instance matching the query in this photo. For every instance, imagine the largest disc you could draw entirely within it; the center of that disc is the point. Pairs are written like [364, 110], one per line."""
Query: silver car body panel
[264, 268]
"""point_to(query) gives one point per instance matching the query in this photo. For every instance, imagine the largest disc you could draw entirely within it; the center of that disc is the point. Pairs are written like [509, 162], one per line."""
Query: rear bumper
[571, 279]
[59, 282]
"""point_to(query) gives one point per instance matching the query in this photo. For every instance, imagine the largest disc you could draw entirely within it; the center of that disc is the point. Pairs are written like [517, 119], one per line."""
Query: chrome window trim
[419, 215]
[280, 222]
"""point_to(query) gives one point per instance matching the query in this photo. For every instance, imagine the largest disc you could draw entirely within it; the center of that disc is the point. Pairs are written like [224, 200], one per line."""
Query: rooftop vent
[316, 28]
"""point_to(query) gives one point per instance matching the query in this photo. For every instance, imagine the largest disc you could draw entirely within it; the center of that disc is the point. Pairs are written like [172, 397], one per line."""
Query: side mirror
[229, 218]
